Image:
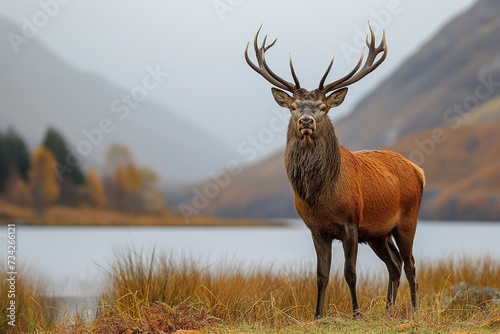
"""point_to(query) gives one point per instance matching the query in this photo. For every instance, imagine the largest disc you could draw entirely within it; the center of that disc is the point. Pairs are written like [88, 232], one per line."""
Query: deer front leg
[350, 245]
[323, 249]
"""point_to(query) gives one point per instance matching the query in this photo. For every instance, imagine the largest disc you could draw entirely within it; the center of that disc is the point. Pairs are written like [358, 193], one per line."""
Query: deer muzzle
[307, 125]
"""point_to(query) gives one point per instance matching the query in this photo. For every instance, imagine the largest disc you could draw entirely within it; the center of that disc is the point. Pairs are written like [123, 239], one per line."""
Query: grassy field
[158, 293]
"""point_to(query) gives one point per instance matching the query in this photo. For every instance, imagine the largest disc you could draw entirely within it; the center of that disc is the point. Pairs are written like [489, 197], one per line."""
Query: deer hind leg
[404, 240]
[389, 254]
[323, 249]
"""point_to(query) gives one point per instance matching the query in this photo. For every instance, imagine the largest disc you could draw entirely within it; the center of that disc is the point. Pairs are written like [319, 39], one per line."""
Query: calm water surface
[75, 259]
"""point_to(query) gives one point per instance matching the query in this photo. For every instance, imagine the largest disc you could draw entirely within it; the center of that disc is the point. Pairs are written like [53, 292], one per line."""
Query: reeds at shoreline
[147, 292]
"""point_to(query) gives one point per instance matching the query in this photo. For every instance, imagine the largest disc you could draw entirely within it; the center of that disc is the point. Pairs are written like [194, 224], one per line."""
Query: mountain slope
[38, 89]
[462, 166]
[259, 191]
[444, 72]
[450, 86]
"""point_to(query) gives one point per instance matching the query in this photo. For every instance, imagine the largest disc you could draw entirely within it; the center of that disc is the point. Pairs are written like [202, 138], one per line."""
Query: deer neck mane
[311, 163]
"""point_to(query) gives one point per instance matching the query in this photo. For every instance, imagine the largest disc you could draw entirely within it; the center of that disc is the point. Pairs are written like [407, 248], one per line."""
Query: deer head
[309, 109]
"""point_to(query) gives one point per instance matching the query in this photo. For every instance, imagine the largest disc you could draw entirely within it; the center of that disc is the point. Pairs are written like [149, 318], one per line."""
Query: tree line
[35, 179]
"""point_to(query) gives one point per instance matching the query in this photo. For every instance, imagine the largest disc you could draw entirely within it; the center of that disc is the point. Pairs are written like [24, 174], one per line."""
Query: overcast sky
[201, 42]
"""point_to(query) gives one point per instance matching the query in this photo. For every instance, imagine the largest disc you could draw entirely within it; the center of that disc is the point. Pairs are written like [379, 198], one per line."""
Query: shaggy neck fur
[312, 162]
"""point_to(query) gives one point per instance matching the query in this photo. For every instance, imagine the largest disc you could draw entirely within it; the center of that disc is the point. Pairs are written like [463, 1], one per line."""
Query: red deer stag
[355, 197]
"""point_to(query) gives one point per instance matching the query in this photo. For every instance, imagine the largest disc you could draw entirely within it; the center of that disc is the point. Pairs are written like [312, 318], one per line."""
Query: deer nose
[306, 125]
[306, 122]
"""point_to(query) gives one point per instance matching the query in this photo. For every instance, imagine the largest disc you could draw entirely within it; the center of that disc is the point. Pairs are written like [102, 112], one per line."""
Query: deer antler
[354, 75]
[265, 71]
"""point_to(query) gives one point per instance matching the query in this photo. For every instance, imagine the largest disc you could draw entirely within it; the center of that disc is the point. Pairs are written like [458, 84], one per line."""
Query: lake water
[74, 259]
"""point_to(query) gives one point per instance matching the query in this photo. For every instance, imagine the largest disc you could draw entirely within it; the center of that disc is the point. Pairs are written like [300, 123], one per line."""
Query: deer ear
[336, 98]
[282, 98]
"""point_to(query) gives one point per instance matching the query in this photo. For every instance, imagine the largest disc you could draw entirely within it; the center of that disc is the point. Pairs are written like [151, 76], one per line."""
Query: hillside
[258, 191]
[38, 89]
[444, 72]
[462, 168]
[451, 86]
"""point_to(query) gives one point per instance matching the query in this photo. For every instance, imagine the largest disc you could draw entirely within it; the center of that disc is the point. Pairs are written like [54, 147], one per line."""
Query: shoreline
[87, 216]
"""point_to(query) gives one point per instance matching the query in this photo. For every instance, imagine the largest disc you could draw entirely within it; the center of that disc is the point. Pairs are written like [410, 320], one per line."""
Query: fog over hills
[188, 106]
[38, 89]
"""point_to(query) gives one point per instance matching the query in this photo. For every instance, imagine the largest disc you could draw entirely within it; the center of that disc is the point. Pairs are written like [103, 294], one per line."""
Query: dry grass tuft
[151, 293]
[157, 318]
[36, 308]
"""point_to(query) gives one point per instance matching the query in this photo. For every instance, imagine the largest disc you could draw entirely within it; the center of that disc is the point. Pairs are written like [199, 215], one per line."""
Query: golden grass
[36, 308]
[229, 295]
[159, 293]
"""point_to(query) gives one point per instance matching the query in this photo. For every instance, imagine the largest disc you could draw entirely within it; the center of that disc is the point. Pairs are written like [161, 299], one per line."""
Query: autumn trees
[96, 192]
[42, 178]
[69, 178]
[131, 188]
[14, 165]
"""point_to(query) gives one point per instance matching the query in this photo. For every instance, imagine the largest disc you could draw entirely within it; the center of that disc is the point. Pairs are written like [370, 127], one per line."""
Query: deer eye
[293, 108]
[323, 109]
